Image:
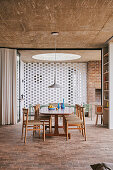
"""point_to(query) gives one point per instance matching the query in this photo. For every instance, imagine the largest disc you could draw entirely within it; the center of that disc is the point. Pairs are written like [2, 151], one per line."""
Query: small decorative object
[106, 86]
[62, 105]
[51, 107]
[107, 104]
[58, 106]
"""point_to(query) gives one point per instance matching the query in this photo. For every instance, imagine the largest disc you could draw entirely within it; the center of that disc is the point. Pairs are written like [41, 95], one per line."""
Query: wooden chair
[31, 125]
[43, 118]
[76, 121]
[99, 111]
[88, 110]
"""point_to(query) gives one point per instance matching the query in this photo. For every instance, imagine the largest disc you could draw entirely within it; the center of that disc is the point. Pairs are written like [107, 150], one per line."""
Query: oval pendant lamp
[55, 85]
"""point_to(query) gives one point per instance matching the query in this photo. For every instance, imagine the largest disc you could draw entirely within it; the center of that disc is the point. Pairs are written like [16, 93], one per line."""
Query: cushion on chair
[75, 122]
[99, 113]
[72, 117]
[46, 116]
[34, 122]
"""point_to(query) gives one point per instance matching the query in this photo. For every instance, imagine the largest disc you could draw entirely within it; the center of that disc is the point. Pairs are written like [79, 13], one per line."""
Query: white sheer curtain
[8, 113]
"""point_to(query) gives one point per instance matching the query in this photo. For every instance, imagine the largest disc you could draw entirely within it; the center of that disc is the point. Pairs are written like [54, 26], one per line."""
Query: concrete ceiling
[86, 55]
[80, 23]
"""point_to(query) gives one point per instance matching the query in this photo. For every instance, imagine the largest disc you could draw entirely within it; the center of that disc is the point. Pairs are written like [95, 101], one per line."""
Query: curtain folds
[8, 113]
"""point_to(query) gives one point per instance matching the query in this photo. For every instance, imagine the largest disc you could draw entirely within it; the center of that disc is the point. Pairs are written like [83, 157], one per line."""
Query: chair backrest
[25, 114]
[37, 107]
[98, 109]
[78, 110]
[41, 106]
[82, 114]
[86, 107]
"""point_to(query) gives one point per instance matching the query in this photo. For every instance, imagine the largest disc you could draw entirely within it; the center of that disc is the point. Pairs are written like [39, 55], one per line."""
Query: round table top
[66, 111]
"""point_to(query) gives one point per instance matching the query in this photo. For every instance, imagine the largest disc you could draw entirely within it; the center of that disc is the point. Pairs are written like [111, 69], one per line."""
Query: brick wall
[93, 83]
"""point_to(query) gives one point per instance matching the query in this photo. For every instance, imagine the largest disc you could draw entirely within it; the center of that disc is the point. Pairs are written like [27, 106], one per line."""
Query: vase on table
[62, 105]
[58, 106]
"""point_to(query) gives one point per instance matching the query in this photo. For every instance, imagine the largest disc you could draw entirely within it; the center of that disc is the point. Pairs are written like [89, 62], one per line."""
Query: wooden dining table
[57, 113]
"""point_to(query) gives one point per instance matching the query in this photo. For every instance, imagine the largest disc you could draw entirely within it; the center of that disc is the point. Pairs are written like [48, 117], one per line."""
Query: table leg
[56, 132]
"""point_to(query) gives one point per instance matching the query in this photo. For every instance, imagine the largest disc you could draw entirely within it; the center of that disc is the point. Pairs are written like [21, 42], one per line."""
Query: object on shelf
[106, 108]
[107, 104]
[106, 87]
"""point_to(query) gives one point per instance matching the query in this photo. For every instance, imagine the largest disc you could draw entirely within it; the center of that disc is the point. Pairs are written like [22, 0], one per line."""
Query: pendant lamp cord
[55, 60]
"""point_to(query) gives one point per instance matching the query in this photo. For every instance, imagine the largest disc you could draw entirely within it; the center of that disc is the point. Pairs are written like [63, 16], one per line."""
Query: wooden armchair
[99, 111]
[47, 119]
[76, 121]
[31, 125]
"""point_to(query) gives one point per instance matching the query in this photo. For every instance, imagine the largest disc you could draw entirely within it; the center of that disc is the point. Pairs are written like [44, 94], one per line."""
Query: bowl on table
[51, 108]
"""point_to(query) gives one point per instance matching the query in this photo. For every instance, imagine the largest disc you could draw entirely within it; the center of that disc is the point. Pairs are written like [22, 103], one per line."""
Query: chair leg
[43, 131]
[63, 122]
[25, 134]
[65, 127]
[67, 131]
[103, 120]
[39, 130]
[85, 132]
[50, 124]
[96, 119]
[82, 130]
[34, 130]
[22, 131]
[79, 129]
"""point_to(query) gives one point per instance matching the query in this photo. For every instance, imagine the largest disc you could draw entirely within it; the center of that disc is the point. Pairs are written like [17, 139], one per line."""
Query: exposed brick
[93, 81]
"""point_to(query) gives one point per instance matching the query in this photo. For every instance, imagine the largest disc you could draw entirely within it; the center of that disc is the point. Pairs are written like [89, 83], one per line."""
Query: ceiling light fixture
[60, 57]
[55, 85]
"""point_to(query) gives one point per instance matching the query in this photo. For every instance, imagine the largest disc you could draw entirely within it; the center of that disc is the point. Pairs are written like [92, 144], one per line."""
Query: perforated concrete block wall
[71, 76]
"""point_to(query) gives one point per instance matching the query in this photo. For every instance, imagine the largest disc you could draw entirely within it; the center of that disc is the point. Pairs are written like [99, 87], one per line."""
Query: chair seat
[99, 113]
[41, 117]
[72, 117]
[75, 122]
[33, 122]
[47, 116]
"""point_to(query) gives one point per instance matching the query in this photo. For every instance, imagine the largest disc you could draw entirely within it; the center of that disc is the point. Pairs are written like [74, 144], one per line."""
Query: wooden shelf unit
[106, 108]
[107, 72]
[106, 63]
[105, 85]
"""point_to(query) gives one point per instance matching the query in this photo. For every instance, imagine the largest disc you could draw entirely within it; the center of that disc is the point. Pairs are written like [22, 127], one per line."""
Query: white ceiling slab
[80, 23]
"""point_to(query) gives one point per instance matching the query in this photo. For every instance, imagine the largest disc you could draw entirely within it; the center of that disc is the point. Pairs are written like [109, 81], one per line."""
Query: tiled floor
[55, 153]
